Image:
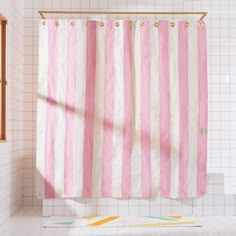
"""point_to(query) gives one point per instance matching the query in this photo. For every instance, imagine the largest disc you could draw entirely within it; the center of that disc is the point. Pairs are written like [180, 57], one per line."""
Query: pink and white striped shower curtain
[122, 109]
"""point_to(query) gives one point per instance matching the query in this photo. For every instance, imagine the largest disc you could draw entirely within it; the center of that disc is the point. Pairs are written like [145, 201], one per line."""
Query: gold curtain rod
[41, 13]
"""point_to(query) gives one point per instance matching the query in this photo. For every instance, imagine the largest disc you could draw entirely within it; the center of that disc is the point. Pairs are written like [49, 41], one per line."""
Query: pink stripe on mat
[202, 115]
[164, 109]
[183, 108]
[89, 109]
[145, 110]
[51, 110]
[70, 111]
[126, 165]
[108, 110]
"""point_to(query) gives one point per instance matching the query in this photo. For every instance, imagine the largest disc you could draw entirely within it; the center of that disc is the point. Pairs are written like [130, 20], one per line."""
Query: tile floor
[28, 221]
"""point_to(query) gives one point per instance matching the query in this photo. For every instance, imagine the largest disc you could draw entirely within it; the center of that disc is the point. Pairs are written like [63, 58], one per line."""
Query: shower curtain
[122, 109]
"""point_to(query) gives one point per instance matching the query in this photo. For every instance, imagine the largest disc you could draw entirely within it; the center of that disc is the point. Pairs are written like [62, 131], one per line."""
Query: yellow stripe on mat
[88, 217]
[176, 217]
[103, 221]
[166, 224]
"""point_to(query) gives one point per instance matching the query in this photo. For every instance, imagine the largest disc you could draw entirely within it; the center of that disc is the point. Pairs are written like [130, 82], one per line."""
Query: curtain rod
[41, 13]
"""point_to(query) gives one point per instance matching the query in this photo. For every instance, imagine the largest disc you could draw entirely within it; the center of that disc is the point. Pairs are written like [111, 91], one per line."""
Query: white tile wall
[221, 23]
[214, 203]
[11, 152]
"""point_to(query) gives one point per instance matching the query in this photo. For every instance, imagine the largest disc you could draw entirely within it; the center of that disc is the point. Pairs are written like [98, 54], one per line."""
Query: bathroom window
[3, 24]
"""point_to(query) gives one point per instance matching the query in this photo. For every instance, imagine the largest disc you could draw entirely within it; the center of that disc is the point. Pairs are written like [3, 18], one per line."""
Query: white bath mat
[121, 221]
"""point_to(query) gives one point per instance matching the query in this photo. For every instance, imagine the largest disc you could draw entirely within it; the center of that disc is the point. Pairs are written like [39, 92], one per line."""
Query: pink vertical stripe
[202, 115]
[164, 109]
[145, 110]
[51, 110]
[70, 111]
[183, 108]
[126, 165]
[108, 110]
[89, 109]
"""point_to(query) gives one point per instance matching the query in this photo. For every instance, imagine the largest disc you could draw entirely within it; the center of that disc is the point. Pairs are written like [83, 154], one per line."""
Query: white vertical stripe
[61, 84]
[174, 109]
[154, 110]
[42, 107]
[136, 111]
[78, 145]
[118, 115]
[99, 112]
[192, 108]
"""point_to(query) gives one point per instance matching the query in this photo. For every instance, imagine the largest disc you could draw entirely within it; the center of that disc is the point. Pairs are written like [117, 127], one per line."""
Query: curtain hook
[142, 22]
[101, 22]
[201, 23]
[156, 23]
[72, 23]
[172, 22]
[186, 22]
[129, 23]
[87, 21]
[117, 23]
[56, 22]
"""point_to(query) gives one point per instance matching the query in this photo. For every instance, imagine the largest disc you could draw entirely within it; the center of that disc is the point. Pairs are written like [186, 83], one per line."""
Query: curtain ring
[87, 22]
[156, 24]
[201, 23]
[101, 22]
[72, 22]
[117, 23]
[56, 23]
[186, 23]
[129, 23]
[172, 24]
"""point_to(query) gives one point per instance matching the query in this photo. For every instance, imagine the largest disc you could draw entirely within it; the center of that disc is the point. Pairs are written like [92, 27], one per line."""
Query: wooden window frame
[3, 79]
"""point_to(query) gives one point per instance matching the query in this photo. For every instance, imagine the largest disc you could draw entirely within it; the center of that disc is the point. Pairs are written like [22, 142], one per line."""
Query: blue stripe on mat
[160, 218]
